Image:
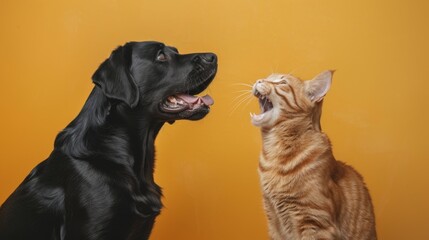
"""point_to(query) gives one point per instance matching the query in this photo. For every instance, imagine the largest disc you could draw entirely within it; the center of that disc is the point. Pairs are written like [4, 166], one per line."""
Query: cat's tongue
[207, 100]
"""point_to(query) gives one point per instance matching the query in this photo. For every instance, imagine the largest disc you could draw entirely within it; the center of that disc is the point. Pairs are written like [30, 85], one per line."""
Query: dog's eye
[161, 57]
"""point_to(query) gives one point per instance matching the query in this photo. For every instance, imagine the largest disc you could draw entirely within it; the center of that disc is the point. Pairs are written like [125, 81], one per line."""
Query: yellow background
[376, 112]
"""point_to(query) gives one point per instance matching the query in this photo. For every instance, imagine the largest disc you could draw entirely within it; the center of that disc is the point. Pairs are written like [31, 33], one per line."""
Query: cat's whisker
[237, 105]
[291, 72]
[232, 111]
[247, 103]
[247, 91]
[243, 84]
[240, 101]
[241, 95]
[274, 68]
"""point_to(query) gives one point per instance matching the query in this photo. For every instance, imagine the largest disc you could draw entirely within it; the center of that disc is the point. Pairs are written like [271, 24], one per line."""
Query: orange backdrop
[376, 112]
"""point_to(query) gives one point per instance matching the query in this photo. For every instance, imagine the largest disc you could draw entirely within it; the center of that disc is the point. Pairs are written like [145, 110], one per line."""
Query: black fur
[98, 181]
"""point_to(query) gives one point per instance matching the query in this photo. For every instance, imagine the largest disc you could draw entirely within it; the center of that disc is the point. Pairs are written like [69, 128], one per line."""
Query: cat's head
[283, 96]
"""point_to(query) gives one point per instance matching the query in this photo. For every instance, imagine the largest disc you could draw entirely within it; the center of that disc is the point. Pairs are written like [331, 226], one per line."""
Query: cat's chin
[260, 120]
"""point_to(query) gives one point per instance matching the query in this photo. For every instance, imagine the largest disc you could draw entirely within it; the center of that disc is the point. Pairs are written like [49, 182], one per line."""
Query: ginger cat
[307, 194]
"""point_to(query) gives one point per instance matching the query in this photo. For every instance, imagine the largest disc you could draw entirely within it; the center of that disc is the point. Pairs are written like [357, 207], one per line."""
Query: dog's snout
[209, 57]
[206, 58]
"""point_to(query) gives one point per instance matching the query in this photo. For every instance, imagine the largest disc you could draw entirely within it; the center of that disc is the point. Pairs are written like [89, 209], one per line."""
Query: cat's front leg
[273, 221]
[313, 230]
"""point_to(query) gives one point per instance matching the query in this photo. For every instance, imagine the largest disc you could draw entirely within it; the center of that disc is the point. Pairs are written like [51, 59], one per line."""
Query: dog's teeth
[172, 99]
[180, 101]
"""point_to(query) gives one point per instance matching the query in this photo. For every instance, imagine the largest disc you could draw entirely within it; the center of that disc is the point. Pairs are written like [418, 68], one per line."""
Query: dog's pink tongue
[207, 100]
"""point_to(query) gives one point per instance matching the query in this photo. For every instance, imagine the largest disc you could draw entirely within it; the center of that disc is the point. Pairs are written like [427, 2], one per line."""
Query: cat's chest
[271, 179]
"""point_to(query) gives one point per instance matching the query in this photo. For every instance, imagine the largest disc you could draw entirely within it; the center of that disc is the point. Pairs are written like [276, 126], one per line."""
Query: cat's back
[356, 216]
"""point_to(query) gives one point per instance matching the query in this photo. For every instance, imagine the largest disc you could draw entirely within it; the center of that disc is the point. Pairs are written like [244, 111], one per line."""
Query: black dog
[98, 181]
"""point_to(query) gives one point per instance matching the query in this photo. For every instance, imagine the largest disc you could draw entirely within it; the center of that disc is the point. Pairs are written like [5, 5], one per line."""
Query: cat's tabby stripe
[286, 100]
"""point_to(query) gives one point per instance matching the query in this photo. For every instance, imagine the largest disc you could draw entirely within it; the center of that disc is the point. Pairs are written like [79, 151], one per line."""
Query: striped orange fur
[307, 193]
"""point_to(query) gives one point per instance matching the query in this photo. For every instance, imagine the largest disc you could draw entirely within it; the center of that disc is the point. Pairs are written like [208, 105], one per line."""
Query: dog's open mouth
[186, 104]
[182, 102]
[265, 105]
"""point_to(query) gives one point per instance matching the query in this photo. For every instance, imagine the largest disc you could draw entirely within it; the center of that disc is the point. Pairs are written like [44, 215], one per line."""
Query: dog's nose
[209, 57]
[206, 57]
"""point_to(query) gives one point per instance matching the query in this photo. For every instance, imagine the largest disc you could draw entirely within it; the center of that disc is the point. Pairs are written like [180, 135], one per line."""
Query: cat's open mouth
[265, 105]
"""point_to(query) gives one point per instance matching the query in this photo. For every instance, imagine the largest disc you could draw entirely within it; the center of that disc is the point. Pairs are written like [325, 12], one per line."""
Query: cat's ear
[317, 88]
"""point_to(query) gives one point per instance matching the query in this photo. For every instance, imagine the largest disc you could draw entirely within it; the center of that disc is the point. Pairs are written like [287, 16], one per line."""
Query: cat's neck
[291, 136]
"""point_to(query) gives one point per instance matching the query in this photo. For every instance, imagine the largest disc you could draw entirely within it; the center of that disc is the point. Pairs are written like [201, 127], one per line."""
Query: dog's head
[153, 78]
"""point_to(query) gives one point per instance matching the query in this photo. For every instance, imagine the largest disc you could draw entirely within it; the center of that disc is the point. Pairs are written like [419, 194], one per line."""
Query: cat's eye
[281, 81]
[161, 57]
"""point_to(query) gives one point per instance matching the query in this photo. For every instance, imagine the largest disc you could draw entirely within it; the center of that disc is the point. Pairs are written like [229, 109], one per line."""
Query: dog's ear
[114, 78]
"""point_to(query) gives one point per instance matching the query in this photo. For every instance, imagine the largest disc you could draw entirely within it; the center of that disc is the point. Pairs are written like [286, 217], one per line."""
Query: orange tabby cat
[307, 193]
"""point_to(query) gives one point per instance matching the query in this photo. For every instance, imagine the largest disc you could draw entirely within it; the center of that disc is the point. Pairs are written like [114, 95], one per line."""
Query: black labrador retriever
[98, 181]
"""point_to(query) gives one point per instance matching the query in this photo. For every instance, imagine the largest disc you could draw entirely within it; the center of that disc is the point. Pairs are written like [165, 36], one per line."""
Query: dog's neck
[143, 147]
[128, 141]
